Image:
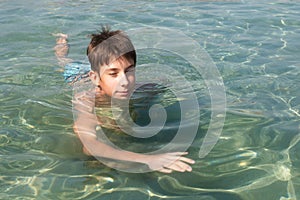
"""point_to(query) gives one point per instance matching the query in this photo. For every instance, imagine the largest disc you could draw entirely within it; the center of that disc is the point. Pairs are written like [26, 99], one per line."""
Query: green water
[255, 47]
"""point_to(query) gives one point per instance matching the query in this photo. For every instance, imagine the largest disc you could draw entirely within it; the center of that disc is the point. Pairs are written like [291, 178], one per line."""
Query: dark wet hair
[108, 46]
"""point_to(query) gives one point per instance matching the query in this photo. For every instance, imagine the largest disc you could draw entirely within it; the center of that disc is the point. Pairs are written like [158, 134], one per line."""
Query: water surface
[255, 46]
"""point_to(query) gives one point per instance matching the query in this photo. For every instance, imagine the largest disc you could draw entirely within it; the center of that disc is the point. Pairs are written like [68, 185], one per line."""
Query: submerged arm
[85, 127]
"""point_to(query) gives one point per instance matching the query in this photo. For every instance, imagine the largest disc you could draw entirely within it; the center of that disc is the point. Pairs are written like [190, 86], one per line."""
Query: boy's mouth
[123, 93]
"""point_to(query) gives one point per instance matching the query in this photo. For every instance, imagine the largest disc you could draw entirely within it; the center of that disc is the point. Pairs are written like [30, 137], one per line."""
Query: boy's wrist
[141, 158]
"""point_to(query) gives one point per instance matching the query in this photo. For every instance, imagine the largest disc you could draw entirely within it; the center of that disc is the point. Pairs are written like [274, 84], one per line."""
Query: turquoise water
[255, 47]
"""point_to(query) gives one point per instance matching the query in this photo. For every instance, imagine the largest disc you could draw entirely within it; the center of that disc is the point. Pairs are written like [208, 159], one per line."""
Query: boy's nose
[124, 80]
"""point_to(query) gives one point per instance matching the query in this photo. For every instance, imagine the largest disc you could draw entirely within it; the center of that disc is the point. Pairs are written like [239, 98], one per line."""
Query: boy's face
[117, 80]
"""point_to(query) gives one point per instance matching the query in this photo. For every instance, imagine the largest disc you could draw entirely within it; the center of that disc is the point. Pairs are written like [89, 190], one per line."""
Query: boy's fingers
[179, 166]
[178, 153]
[184, 159]
[187, 160]
[184, 166]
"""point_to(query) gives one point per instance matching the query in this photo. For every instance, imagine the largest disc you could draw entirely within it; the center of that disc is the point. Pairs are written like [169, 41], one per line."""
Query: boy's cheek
[132, 80]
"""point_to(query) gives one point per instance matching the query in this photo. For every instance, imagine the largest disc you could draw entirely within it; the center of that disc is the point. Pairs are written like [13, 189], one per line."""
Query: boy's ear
[95, 78]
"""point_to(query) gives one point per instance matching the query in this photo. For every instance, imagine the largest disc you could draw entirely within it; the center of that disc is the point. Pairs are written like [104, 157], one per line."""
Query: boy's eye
[113, 74]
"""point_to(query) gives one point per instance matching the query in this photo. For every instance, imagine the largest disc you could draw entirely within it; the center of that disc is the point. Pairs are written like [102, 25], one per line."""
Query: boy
[113, 60]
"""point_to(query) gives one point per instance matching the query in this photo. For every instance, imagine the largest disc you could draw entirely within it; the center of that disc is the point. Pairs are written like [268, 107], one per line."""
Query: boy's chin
[121, 98]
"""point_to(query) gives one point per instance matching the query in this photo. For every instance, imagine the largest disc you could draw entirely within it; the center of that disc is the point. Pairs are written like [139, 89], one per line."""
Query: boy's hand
[169, 162]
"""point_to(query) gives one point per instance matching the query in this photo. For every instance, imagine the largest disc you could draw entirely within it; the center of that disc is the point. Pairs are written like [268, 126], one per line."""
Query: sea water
[255, 49]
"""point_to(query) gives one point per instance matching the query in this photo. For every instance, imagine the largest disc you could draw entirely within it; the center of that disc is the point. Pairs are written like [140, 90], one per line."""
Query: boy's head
[113, 58]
